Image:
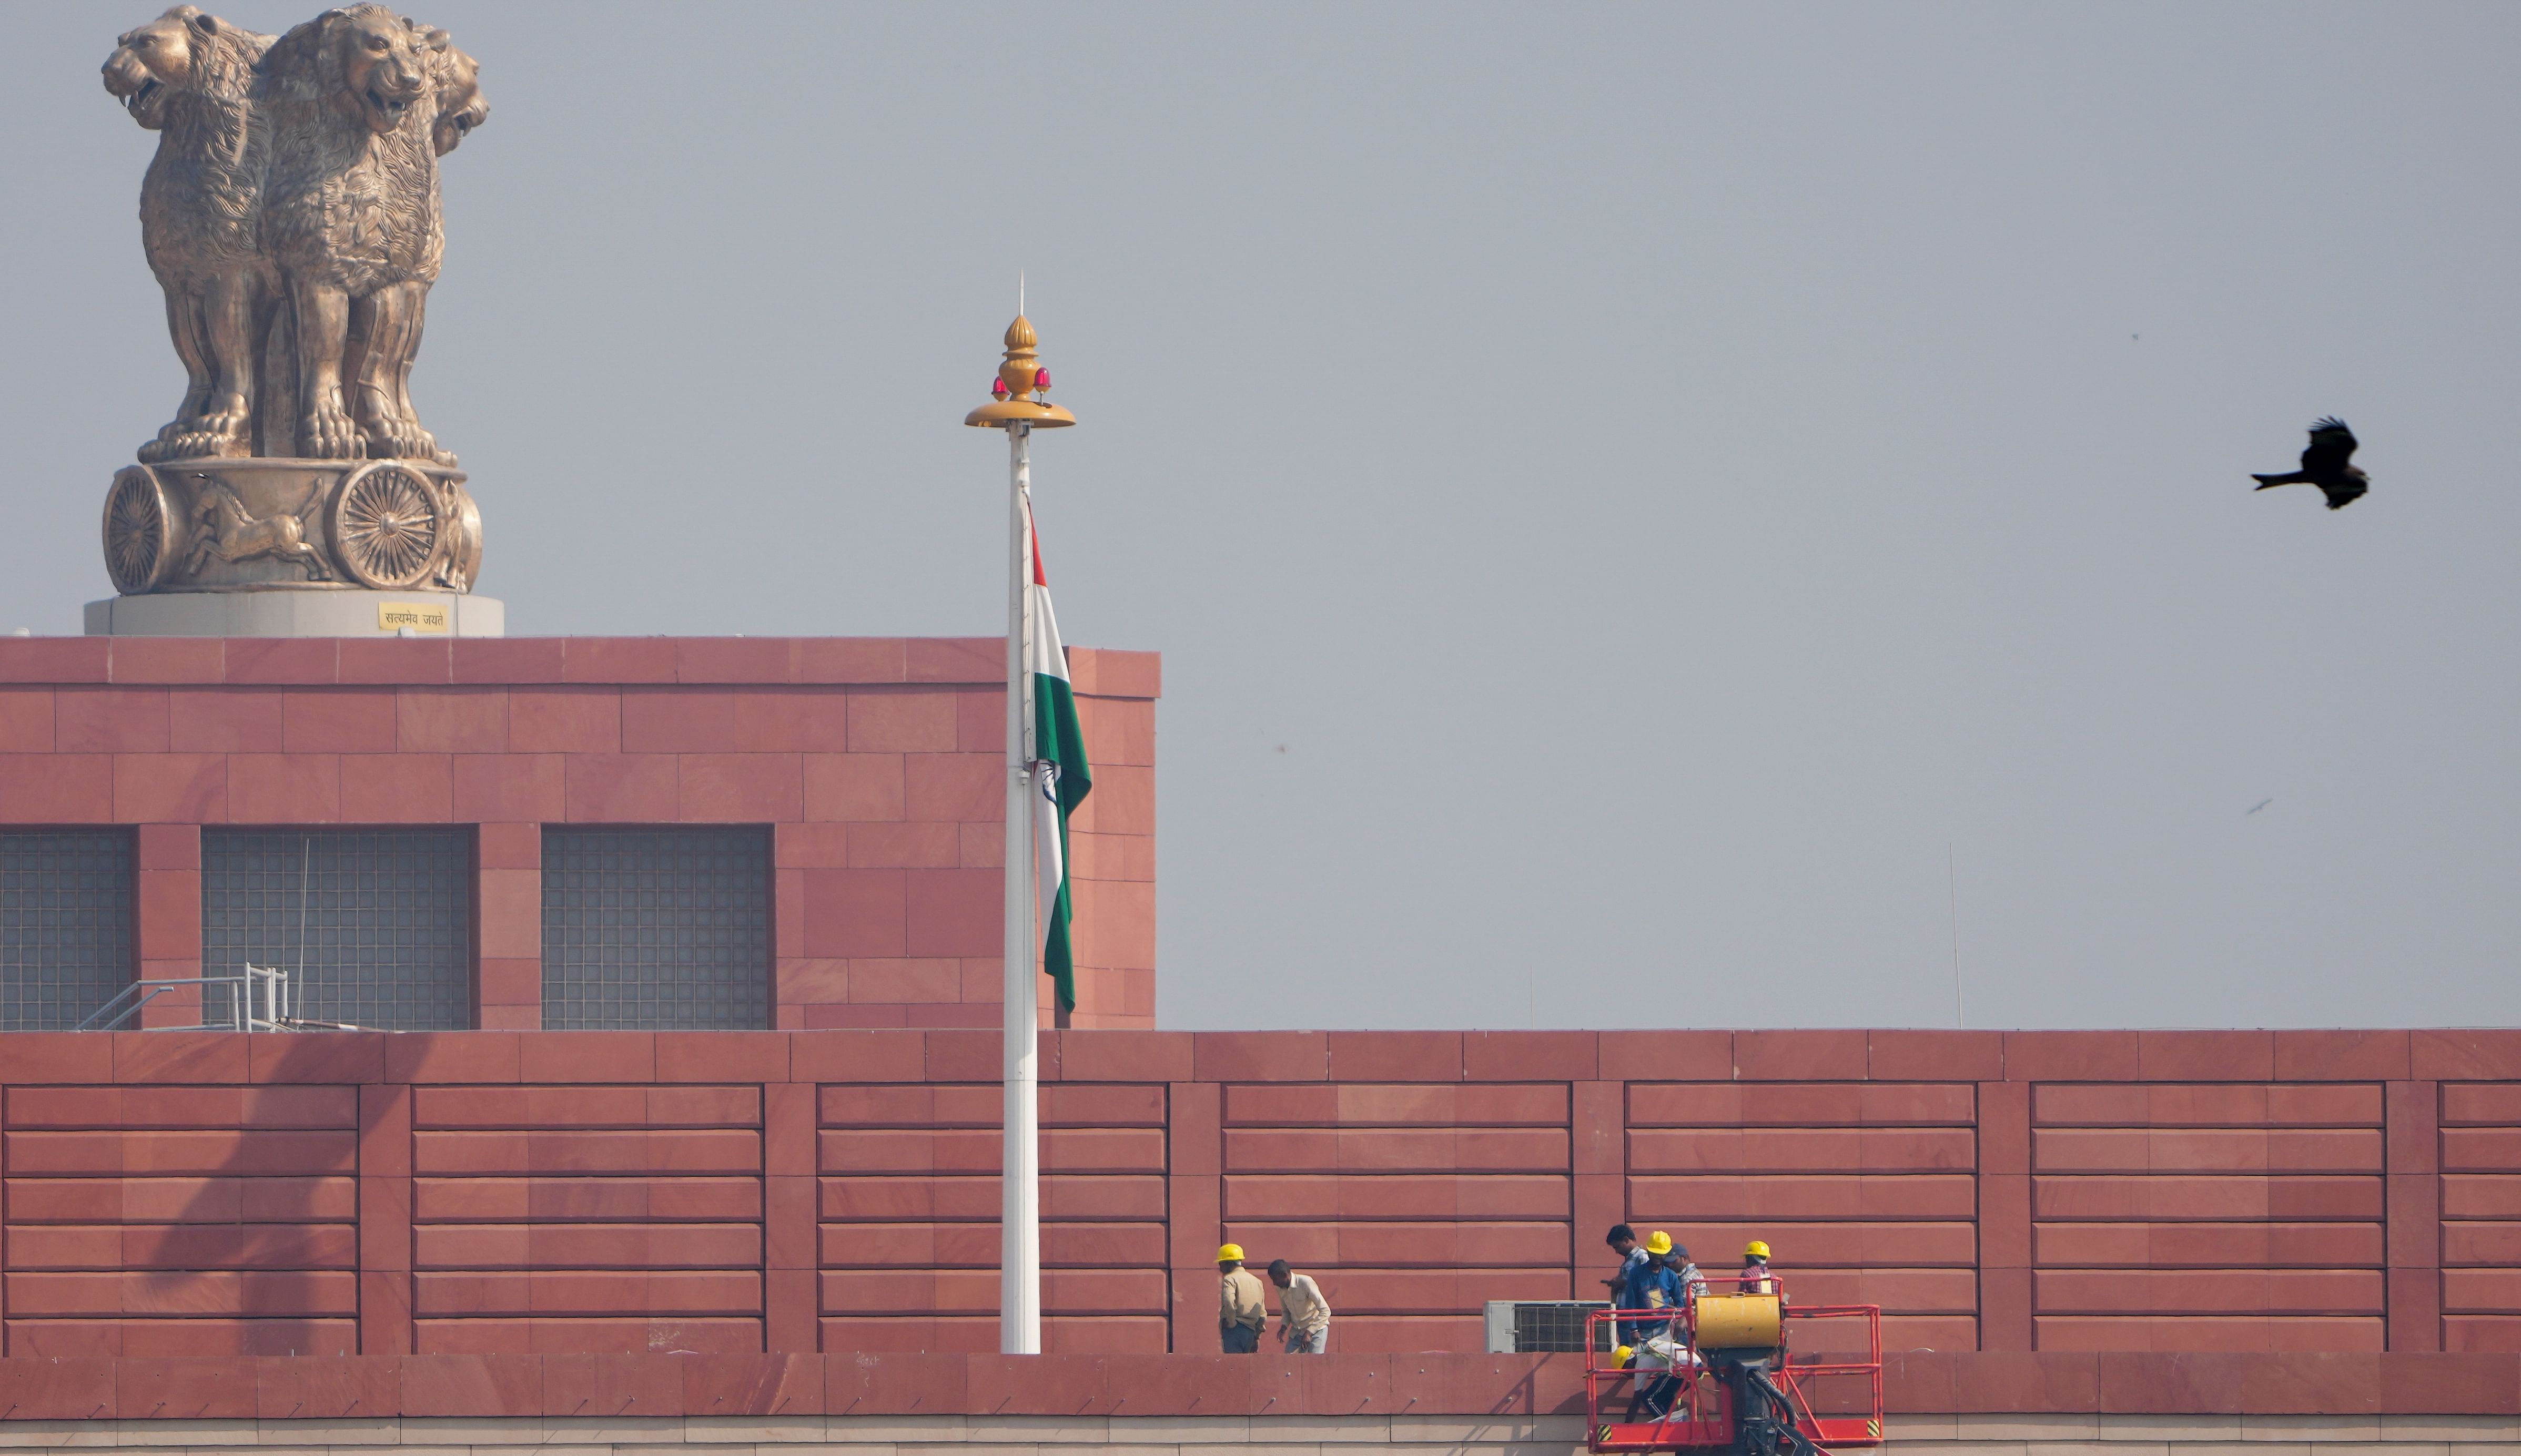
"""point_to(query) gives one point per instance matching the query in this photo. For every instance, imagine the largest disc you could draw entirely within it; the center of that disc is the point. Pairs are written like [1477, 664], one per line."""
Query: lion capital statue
[292, 217]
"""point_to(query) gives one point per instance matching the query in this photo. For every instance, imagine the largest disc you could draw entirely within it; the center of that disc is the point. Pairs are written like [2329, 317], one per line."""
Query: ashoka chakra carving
[139, 530]
[387, 526]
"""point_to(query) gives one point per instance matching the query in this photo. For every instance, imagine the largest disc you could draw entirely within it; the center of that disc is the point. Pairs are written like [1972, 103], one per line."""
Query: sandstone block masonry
[875, 764]
[2041, 1197]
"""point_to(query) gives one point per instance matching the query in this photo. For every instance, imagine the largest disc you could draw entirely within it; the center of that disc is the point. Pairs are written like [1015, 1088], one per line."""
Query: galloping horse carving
[225, 532]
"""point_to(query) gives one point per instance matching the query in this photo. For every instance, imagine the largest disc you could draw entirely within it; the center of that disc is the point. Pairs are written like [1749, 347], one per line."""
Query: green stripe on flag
[1057, 740]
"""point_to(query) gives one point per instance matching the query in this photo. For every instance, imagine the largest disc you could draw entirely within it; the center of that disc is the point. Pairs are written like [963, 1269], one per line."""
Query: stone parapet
[2093, 1242]
[869, 1397]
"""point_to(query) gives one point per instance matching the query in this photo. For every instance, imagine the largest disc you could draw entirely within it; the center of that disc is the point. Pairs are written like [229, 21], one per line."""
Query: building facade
[564, 833]
[2349, 1194]
[681, 1120]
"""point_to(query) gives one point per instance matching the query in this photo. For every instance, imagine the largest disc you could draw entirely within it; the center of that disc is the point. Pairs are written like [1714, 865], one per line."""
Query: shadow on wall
[170, 1218]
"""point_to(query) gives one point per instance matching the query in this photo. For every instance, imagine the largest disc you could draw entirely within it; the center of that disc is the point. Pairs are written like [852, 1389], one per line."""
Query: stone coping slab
[310, 662]
[42, 1057]
[1060, 1390]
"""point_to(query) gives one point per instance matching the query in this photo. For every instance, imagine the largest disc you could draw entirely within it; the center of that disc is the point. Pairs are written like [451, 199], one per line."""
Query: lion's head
[181, 50]
[376, 64]
[460, 107]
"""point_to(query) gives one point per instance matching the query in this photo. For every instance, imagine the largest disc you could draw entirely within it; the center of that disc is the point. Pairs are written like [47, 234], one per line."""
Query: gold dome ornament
[1017, 393]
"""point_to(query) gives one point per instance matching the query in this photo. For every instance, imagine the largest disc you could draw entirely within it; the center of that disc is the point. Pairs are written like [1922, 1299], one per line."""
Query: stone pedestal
[224, 525]
[268, 547]
[283, 612]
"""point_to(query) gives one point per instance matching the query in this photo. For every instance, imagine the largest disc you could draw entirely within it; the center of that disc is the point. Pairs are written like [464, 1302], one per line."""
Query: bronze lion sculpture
[188, 76]
[350, 219]
[292, 215]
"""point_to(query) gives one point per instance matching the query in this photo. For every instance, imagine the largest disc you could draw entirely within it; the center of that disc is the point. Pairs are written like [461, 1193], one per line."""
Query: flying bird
[2254, 808]
[2324, 464]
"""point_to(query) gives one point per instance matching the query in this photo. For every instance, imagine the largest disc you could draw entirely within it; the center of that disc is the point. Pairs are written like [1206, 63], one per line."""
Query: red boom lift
[1727, 1380]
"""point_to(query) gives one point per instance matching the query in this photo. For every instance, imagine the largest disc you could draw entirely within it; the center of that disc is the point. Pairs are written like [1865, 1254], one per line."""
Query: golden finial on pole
[1020, 388]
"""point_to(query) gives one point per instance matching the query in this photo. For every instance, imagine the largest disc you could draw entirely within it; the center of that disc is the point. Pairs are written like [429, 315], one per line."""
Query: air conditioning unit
[1536, 1328]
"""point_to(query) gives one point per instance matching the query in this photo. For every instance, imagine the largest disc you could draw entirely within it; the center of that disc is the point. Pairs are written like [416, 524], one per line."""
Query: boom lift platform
[1716, 1376]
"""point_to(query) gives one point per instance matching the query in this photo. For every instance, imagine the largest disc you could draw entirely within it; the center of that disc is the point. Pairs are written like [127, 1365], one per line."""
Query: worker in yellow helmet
[1645, 1284]
[1756, 1278]
[1657, 1340]
[1241, 1312]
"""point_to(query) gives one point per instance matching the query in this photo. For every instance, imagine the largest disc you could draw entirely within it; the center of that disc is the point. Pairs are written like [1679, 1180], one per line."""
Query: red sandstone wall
[878, 760]
[483, 1193]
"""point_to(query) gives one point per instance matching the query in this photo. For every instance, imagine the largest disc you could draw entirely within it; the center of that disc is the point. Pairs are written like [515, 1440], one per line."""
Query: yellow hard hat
[1758, 1249]
[1234, 1251]
[1658, 1243]
[1621, 1358]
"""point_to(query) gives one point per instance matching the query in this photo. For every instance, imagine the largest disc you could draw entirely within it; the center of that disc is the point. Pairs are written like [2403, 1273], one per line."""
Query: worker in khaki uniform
[1305, 1316]
[1241, 1313]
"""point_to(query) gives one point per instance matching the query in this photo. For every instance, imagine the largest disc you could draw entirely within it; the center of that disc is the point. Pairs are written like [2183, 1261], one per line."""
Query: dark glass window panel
[64, 925]
[656, 930]
[374, 926]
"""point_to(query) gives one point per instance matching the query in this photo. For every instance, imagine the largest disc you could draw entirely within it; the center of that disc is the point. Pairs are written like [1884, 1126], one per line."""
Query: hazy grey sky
[1619, 488]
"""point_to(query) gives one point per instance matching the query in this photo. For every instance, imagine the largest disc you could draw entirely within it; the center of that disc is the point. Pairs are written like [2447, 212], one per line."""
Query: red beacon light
[998, 388]
[1042, 378]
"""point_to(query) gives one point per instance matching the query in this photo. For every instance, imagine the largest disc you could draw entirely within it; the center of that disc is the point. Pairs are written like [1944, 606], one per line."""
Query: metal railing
[255, 999]
[1679, 1397]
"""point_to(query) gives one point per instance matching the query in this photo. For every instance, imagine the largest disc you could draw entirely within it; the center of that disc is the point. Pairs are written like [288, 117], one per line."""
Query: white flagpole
[1020, 1207]
[1020, 1165]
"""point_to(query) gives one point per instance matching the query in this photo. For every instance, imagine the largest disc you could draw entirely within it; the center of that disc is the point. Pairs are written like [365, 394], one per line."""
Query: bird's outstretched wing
[2331, 445]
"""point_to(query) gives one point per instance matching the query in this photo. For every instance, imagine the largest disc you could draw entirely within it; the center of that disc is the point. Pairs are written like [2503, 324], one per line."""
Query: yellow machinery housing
[1738, 1321]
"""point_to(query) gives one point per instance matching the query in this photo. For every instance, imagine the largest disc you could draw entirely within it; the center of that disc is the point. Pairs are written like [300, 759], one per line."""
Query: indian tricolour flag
[1056, 749]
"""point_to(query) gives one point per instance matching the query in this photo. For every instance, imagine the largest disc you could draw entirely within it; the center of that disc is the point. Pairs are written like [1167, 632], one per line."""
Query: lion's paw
[404, 439]
[229, 424]
[193, 444]
[392, 441]
[165, 447]
[329, 435]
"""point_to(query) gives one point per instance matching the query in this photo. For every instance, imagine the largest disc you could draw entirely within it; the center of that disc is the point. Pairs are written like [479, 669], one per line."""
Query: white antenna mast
[1952, 888]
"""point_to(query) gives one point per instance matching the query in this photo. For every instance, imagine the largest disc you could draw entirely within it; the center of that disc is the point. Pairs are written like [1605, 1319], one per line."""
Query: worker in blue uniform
[1654, 1286]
